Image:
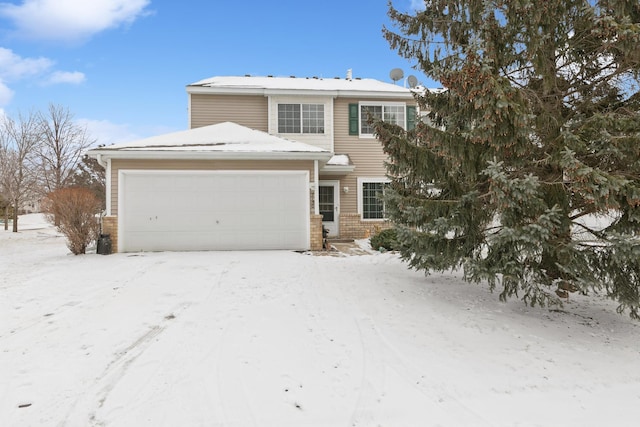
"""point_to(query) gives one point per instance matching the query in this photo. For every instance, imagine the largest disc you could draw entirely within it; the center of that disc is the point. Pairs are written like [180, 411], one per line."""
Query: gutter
[101, 155]
[101, 162]
[106, 164]
[339, 93]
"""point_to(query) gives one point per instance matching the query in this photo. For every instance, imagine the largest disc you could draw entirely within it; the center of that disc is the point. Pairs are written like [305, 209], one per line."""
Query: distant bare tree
[4, 173]
[18, 180]
[64, 142]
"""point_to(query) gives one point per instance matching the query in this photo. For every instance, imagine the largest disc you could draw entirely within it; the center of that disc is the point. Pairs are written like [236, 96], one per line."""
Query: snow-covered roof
[339, 160]
[224, 138]
[287, 85]
[339, 164]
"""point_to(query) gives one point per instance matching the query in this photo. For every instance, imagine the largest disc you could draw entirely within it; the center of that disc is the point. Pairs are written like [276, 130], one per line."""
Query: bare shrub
[75, 210]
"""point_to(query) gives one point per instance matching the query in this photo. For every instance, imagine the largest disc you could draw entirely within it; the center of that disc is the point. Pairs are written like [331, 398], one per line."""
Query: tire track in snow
[372, 383]
[87, 406]
[381, 363]
[234, 404]
[330, 342]
[61, 310]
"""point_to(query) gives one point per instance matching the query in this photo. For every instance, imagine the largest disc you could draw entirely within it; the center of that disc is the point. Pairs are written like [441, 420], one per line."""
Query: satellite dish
[412, 81]
[396, 74]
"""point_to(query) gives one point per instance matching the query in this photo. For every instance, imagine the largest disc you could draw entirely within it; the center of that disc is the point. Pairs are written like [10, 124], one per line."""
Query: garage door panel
[181, 239]
[214, 210]
[190, 241]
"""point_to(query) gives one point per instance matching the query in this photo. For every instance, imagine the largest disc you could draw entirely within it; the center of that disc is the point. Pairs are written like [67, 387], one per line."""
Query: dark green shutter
[353, 119]
[411, 117]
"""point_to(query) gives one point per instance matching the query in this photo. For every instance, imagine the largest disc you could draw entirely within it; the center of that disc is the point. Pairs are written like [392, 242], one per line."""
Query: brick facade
[110, 227]
[316, 232]
[353, 227]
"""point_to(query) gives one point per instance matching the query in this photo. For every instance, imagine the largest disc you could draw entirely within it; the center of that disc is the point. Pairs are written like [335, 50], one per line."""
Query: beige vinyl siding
[365, 153]
[324, 140]
[117, 164]
[246, 110]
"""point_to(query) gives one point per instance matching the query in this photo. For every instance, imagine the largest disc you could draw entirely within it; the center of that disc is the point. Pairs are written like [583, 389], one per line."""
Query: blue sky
[121, 66]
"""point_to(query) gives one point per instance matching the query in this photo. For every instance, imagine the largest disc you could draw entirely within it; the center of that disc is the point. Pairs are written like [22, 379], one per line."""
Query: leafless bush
[75, 210]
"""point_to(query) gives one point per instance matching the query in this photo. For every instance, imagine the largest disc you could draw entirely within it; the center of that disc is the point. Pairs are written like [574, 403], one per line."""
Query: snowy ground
[287, 339]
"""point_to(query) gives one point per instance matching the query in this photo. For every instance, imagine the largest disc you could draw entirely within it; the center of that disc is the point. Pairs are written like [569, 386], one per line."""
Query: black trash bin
[104, 244]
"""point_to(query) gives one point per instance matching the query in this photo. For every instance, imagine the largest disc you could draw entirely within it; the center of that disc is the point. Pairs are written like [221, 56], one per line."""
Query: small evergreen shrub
[385, 239]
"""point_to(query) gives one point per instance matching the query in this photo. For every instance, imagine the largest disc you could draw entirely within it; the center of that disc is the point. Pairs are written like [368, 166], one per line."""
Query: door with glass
[329, 206]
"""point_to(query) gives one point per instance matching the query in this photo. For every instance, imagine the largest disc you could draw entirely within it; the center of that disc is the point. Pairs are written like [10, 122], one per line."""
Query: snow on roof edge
[227, 136]
[300, 83]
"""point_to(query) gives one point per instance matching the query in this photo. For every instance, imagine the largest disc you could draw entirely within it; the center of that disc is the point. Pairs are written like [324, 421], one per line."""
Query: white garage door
[213, 210]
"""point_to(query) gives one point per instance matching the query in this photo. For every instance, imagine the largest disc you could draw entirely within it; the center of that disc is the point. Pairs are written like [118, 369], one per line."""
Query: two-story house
[265, 163]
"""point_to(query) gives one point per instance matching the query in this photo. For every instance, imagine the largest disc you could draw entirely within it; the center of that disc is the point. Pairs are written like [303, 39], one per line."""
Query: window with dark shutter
[353, 120]
[411, 117]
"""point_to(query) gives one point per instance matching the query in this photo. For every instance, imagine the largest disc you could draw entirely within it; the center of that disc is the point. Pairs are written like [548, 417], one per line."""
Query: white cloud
[14, 67]
[417, 4]
[70, 20]
[108, 133]
[5, 95]
[68, 77]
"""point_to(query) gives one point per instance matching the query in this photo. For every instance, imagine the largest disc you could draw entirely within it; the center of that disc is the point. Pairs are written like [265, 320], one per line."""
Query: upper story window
[397, 113]
[389, 113]
[300, 118]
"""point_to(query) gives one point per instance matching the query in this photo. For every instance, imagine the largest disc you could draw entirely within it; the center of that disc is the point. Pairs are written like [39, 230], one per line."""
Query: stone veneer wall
[353, 227]
[110, 226]
[316, 232]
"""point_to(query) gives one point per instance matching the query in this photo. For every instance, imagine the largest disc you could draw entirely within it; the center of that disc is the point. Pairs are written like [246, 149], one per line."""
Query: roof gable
[224, 139]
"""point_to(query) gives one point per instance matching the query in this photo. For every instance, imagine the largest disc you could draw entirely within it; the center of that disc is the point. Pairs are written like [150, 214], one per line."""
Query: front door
[329, 206]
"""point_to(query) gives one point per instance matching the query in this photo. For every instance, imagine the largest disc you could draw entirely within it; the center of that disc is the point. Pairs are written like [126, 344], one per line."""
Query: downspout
[107, 175]
[189, 121]
[316, 195]
[269, 127]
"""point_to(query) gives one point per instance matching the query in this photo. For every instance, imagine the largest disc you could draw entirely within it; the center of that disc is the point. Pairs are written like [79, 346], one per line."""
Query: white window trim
[362, 180]
[378, 104]
[324, 116]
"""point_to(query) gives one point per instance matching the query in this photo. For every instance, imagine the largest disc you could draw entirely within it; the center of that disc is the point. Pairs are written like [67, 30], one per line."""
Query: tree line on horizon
[40, 153]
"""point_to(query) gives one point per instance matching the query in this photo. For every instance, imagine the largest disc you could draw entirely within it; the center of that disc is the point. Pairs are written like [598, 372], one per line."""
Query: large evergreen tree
[526, 171]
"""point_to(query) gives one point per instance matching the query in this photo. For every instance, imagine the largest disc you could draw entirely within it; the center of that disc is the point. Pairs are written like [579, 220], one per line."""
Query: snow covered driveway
[286, 339]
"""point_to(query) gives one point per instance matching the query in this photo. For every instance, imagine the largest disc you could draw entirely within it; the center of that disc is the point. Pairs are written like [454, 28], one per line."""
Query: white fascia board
[226, 90]
[298, 92]
[302, 92]
[337, 170]
[199, 155]
[259, 91]
[376, 95]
